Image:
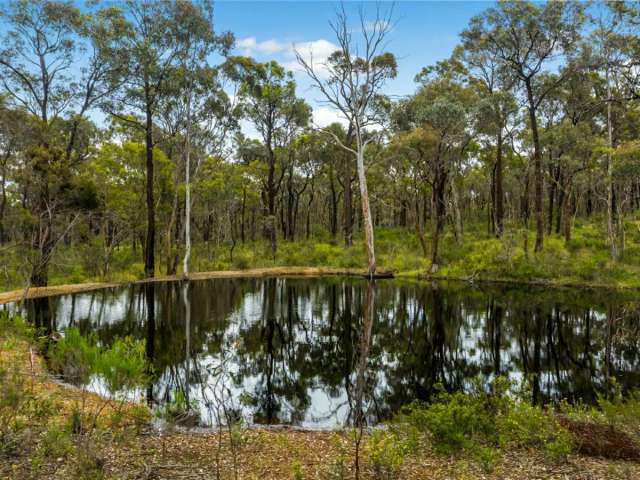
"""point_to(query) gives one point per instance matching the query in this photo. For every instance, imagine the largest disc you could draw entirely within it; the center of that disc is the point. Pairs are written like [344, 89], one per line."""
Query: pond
[312, 352]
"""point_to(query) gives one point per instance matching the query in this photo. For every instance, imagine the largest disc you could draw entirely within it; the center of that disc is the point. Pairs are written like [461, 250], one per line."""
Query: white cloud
[316, 50]
[323, 116]
[250, 46]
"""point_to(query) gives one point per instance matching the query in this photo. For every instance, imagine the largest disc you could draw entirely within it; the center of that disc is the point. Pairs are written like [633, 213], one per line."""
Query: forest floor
[584, 261]
[36, 442]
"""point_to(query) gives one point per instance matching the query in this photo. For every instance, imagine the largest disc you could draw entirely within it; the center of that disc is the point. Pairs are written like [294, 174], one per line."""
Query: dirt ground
[16, 295]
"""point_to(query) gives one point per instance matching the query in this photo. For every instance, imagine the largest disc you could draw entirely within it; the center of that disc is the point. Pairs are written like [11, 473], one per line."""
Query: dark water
[311, 351]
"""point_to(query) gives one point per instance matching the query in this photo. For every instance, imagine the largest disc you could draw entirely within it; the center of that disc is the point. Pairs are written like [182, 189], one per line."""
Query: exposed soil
[38, 292]
[17, 295]
[596, 440]
[268, 454]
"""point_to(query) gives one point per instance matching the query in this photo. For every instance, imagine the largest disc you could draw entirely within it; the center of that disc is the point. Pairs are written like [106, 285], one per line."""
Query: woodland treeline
[120, 125]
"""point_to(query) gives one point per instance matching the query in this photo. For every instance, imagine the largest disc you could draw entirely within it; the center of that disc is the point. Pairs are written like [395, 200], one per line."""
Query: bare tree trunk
[243, 214]
[499, 192]
[457, 217]
[537, 169]
[440, 211]
[611, 229]
[334, 204]
[187, 192]
[311, 197]
[171, 268]
[423, 241]
[553, 187]
[366, 210]
[525, 211]
[150, 242]
[561, 195]
[3, 198]
[567, 211]
[348, 206]
[40, 269]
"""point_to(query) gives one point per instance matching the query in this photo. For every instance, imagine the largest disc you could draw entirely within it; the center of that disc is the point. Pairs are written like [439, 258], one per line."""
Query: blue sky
[425, 32]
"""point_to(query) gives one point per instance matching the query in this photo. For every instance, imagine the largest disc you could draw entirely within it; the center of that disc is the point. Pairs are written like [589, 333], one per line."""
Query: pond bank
[42, 444]
[39, 292]
[261, 454]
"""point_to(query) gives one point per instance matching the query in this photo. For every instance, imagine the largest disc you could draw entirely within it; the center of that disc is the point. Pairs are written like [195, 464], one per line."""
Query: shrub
[74, 356]
[123, 366]
[55, 442]
[482, 421]
[297, 471]
[455, 420]
[386, 453]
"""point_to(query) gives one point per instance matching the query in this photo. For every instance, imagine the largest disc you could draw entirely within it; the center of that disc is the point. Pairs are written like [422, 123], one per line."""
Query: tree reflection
[326, 351]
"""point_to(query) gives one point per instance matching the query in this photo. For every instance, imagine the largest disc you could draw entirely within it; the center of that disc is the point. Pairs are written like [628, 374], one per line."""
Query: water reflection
[321, 352]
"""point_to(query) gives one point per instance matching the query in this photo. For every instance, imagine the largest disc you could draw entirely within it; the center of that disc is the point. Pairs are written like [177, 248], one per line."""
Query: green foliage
[55, 442]
[336, 470]
[123, 366]
[483, 422]
[74, 356]
[621, 412]
[528, 426]
[89, 463]
[297, 471]
[386, 452]
[14, 326]
[585, 259]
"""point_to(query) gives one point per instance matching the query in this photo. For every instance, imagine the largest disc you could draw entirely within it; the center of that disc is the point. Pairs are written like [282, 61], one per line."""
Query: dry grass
[264, 454]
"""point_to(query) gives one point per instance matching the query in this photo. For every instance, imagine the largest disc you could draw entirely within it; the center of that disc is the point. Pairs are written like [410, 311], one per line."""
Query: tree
[496, 110]
[42, 45]
[269, 96]
[13, 139]
[351, 81]
[526, 38]
[440, 113]
[159, 36]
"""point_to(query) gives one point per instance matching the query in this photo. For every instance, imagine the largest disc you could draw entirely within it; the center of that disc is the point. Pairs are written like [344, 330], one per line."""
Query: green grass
[584, 260]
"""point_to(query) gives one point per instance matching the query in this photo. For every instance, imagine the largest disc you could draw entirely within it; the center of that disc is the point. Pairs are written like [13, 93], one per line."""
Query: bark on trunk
[3, 198]
[499, 193]
[348, 206]
[537, 166]
[457, 216]
[440, 211]
[366, 210]
[243, 215]
[334, 205]
[150, 242]
[611, 229]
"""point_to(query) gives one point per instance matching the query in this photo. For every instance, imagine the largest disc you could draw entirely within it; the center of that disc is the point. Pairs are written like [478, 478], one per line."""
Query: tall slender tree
[527, 38]
[160, 35]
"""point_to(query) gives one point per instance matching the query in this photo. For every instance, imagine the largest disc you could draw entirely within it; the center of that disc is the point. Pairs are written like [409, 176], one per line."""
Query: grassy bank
[55, 431]
[583, 261]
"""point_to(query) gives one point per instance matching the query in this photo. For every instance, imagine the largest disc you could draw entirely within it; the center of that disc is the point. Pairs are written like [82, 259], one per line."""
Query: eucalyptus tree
[497, 109]
[527, 39]
[269, 97]
[616, 55]
[196, 113]
[436, 121]
[42, 48]
[351, 81]
[14, 137]
[160, 33]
